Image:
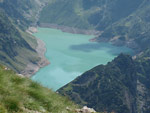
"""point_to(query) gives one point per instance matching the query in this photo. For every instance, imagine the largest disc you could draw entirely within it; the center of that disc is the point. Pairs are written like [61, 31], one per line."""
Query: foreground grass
[21, 95]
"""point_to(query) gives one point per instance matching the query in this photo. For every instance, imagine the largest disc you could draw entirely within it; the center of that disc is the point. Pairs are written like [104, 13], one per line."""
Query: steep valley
[117, 82]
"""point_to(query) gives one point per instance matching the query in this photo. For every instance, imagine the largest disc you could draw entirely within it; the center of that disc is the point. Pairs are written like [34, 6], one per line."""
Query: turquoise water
[70, 55]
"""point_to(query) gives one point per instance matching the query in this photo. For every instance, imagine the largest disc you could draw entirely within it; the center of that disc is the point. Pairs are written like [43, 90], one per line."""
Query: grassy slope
[21, 95]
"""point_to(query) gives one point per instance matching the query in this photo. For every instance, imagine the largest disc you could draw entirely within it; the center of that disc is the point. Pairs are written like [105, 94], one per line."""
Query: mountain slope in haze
[18, 48]
[132, 31]
[21, 95]
[88, 13]
[123, 22]
[12, 45]
[121, 86]
[63, 12]
[22, 12]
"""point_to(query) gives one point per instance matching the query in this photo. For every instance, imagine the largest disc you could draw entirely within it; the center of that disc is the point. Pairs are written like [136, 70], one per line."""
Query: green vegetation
[115, 86]
[21, 95]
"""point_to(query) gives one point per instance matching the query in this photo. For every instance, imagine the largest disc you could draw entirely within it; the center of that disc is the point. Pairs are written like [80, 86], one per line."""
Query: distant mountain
[98, 14]
[123, 22]
[121, 86]
[132, 30]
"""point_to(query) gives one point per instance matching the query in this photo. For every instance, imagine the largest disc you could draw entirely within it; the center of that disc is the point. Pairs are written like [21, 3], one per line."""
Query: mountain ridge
[116, 87]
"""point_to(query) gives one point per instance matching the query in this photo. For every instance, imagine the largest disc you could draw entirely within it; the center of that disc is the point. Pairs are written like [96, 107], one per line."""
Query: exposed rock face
[85, 109]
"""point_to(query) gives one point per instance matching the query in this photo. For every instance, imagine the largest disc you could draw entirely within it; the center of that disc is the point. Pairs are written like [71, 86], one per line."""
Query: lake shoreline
[70, 55]
[96, 33]
[70, 29]
[31, 68]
